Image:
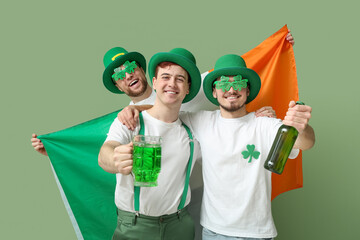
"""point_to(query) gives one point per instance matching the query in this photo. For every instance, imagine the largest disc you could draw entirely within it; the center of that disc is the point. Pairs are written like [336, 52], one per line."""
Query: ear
[189, 85]
[214, 93]
[247, 92]
[154, 83]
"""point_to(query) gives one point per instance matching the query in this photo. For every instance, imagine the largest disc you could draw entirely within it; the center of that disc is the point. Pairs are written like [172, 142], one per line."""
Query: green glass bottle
[281, 148]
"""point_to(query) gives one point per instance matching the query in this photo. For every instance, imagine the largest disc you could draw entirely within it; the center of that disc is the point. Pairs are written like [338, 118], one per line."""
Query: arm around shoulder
[129, 115]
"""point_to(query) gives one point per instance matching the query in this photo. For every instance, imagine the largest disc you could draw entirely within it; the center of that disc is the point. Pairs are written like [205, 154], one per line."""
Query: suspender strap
[188, 171]
[136, 188]
[142, 126]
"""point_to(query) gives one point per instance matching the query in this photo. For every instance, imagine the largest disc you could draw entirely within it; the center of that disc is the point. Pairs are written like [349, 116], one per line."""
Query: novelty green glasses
[121, 73]
[225, 85]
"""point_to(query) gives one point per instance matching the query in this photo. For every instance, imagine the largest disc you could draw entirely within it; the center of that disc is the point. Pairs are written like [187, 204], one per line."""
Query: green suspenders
[188, 171]
[136, 188]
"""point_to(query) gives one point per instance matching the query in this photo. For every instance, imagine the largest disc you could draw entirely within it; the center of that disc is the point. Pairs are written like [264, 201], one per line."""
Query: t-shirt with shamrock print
[237, 187]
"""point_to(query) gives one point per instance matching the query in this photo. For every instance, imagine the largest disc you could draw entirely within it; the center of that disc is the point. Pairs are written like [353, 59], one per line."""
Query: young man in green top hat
[237, 188]
[157, 212]
[125, 73]
[234, 145]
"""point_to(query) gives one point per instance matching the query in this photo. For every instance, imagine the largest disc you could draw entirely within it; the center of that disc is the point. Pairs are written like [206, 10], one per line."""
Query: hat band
[119, 54]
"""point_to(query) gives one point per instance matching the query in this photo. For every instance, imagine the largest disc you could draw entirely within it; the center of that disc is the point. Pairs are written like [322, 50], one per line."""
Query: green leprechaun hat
[114, 58]
[186, 60]
[231, 65]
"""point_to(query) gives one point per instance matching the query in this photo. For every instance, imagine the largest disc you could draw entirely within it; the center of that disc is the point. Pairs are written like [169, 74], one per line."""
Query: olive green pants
[177, 226]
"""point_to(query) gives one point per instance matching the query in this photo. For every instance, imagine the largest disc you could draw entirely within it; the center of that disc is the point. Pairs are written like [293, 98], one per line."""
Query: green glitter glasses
[121, 73]
[225, 85]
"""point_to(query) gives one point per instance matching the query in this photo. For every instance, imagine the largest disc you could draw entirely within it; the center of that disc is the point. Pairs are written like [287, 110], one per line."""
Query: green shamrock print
[250, 153]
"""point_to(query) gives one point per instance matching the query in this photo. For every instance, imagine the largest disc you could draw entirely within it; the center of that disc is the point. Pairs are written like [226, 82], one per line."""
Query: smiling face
[231, 100]
[134, 84]
[171, 84]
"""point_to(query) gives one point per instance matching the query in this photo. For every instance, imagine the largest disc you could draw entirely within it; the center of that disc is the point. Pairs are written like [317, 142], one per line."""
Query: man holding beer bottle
[234, 145]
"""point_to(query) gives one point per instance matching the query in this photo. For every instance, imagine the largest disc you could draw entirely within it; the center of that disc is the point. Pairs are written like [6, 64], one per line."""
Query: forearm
[106, 156]
[141, 108]
[306, 139]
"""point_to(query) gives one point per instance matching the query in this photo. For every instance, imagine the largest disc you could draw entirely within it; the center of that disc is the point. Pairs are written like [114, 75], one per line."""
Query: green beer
[146, 160]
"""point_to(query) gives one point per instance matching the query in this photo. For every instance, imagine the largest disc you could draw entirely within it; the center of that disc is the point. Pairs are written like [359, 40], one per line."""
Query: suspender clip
[136, 216]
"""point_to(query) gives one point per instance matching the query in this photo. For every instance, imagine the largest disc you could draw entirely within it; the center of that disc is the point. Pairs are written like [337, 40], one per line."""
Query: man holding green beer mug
[157, 212]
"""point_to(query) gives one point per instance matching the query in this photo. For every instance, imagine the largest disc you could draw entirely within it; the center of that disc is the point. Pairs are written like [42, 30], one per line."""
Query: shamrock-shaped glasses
[129, 67]
[225, 85]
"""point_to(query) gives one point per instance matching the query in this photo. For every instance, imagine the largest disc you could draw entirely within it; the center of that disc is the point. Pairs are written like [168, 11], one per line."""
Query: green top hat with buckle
[114, 58]
[186, 60]
[232, 65]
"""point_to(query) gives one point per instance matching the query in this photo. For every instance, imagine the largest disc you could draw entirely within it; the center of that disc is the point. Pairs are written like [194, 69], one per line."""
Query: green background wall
[51, 68]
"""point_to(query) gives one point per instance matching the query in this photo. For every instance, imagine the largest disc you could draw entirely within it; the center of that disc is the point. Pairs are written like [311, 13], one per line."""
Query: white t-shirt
[199, 102]
[165, 198]
[147, 101]
[237, 193]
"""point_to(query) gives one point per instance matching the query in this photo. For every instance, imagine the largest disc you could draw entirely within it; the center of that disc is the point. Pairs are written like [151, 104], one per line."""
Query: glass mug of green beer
[146, 160]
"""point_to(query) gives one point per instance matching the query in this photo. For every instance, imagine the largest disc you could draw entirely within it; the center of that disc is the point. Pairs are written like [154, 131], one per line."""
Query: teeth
[133, 82]
[171, 92]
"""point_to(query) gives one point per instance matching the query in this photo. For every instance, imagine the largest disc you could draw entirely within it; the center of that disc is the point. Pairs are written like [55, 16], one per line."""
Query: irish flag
[88, 191]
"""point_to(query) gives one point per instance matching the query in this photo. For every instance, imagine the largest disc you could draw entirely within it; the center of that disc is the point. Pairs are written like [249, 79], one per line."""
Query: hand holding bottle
[294, 124]
[297, 116]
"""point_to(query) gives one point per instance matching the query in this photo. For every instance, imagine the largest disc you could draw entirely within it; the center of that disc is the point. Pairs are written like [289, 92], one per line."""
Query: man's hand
[298, 116]
[129, 117]
[123, 158]
[38, 145]
[289, 37]
[265, 112]
[116, 158]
